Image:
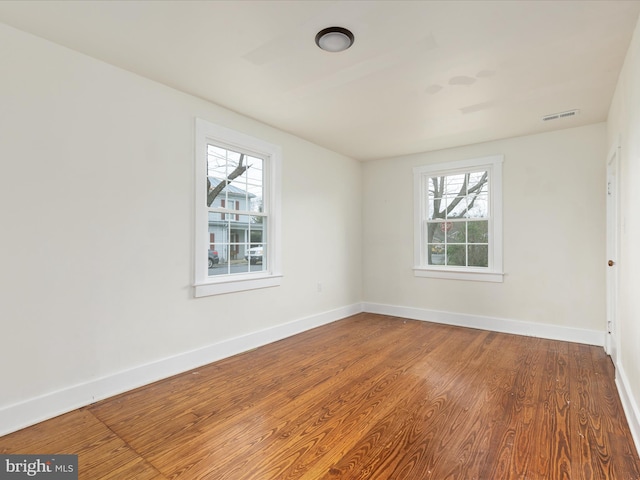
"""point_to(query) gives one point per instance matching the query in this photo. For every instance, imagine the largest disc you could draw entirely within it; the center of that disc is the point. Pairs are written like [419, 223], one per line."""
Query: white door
[613, 229]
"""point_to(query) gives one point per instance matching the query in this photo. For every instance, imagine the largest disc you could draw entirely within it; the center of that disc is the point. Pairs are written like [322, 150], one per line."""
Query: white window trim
[204, 285]
[495, 271]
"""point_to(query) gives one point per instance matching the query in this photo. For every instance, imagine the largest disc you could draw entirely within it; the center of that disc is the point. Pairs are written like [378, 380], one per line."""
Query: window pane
[256, 232]
[218, 239]
[436, 186]
[478, 256]
[234, 180]
[478, 206]
[432, 205]
[435, 254]
[478, 182]
[220, 166]
[256, 257]
[478, 232]
[456, 231]
[251, 182]
[456, 255]
[435, 233]
[454, 185]
[437, 208]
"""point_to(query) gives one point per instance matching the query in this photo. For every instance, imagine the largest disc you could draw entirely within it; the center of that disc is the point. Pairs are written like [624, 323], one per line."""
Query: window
[237, 243]
[458, 220]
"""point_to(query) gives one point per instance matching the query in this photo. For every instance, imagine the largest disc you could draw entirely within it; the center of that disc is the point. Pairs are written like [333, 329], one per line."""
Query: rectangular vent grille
[555, 116]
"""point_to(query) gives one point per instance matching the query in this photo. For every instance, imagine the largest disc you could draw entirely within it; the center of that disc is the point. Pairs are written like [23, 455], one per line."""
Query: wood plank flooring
[368, 397]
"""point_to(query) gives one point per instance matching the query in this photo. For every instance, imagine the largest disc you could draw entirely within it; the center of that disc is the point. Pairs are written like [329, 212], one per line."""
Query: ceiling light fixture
[334, 39]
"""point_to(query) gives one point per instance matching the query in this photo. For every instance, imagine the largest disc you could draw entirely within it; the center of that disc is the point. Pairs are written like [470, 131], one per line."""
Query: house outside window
[237, 211]
[458, 220]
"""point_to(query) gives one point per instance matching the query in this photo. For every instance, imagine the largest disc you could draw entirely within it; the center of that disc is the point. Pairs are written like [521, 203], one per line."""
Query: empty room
[260, 240]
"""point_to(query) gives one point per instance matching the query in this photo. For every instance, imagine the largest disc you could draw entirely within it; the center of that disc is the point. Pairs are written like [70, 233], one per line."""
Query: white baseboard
[503, 325]
[34, 410]
[629, 404]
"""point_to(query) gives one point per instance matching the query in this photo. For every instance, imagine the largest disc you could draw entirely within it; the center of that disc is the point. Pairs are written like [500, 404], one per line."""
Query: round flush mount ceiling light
[334, 39]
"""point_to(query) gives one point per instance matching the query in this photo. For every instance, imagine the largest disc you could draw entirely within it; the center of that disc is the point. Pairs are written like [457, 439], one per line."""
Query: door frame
[612, 339]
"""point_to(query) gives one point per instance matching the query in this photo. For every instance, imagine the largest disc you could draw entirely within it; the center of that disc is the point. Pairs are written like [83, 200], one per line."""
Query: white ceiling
[421, 75]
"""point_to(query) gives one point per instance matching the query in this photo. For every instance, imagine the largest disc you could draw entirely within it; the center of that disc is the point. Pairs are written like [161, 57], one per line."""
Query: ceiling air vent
[555, 116]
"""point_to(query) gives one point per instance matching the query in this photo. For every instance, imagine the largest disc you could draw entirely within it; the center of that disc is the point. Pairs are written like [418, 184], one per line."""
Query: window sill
[232, 285]
[451, 274]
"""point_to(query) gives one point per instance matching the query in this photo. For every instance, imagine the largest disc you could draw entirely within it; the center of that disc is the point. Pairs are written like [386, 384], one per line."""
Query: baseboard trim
[629, 404]
[503, 325]
[35, 410]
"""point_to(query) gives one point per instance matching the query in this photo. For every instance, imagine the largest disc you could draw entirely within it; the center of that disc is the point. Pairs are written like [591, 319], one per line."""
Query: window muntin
[237, 211]
[459, 219]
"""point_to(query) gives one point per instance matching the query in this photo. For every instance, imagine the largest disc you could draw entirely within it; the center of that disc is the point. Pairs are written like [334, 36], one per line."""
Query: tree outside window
[237, 211]
[458, 219]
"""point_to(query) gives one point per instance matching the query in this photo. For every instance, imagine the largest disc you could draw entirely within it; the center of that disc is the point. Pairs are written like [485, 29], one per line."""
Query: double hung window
[458, 220]
[237, 211]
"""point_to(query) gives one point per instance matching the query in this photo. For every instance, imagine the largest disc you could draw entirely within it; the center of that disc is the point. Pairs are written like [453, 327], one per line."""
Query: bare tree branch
[465, 192]
[437, 195]
[462, 194]
[459, 197]
[239, 170]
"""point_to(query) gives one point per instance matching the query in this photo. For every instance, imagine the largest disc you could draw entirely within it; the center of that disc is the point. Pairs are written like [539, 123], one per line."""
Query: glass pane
[251, 183]
[437, 208]
[457, 207]
[478, 255]
[456, 255]
[435, 232]
[454, 185]
[242, 221]
[431, 207]
[436, 186]
[478, 232]
[478, 182]
[435, 254]
[256, 232]
[217, 231]
[478, 206]
[219, 264]
[220, 163]
[456, 232]
[256, 257]
[234, 180]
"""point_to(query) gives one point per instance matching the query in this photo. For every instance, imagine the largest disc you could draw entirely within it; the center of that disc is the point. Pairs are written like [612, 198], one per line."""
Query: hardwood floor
[368, 397]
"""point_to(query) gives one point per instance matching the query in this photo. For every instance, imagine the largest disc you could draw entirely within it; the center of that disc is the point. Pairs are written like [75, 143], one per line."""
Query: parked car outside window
[254, 255]
[213, 258]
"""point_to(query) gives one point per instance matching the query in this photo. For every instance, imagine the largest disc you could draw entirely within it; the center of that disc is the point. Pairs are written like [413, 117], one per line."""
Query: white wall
[97, 208]
[554, 238]
[624, 129]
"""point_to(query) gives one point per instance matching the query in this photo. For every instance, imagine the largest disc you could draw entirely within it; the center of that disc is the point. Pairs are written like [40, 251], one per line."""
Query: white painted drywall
[96, 209]
[554, 237]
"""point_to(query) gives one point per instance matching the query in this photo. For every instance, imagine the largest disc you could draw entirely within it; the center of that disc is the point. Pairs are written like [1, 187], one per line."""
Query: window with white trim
[458, 220]
[237, 244]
